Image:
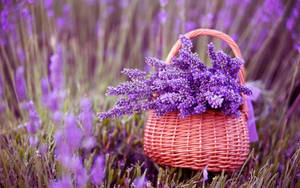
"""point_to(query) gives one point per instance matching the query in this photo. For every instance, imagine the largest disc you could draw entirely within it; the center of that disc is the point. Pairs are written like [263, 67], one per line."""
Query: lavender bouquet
[185, 85]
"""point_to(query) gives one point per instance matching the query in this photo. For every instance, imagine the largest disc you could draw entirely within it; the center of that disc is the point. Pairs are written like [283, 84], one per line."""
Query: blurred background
[76, 48]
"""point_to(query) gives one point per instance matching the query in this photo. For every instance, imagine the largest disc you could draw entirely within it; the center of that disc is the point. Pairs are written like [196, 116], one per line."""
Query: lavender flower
[140, 182]
[33, 140]
[81, 176]
[64, 182]
[2, 106]
[162, 16]
[4, 20]
[86, 116]
[28, 19]
[34, 122]
[20, 84]
[56, 72]
[186, 85]
[45, 86]
[1, 87]
[73, 134]
[88, 142]
[190, 25]
[97, 171]
[163, 3]
[53, 100]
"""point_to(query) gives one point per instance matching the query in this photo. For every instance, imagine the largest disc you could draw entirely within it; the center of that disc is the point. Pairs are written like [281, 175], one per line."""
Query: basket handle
[211, 32]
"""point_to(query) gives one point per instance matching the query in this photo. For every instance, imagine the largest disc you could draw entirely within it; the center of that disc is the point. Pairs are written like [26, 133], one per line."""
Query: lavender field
[58, 57]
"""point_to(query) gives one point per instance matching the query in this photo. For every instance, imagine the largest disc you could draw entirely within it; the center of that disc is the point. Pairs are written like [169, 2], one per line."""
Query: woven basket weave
[211, 139]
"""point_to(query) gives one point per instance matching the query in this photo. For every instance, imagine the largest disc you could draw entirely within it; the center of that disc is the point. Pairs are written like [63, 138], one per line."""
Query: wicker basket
[211, 139]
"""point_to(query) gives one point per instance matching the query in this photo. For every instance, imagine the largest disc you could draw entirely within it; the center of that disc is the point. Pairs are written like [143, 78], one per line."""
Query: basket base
[210, 139]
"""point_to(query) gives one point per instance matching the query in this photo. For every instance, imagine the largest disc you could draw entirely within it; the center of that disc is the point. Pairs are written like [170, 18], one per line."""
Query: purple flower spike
[163, 3]
[57, 117]
[140, 182]
[4, 20]
[56, 72]
[34, 119]
[86, 115]
[1, 88]
[72, 163]
[86, 104]
[88, 143]
[81, 177]
[33, 140]
[27, 106]
[31, 127]
[20, 84]
[45, 86]
[65, 182]
[72, 133]
[97, 171]
[162, 16]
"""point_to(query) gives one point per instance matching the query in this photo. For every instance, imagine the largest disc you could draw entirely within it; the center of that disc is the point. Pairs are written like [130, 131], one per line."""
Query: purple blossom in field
[34, 122]
[52, 100]
[140, 182]
[293, 17]
[186, 85]
[179, 2]
[88, 142]
[98, 170]
[1, 87]
[81, 177]
[33, 140]
[162, 16]
[75, 166]
[291, 25]
[65, 21]
[206, 20]
[30, 1]
[64, 182]
[21, 55]
[28, 19]
[124, 3]
[57, 117]
[163, 3]
[55, 100]
[31, 127]
[272, 9]
[91, 2]
[2, 107]
[190, 25]
[62, 149]
[56, 72]
[86, 115]
[43, 148]
[72, 163]
[4, 20]
[27, 106]
[20, 84]
[45, 86]
[48, 4]
[73, 134]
